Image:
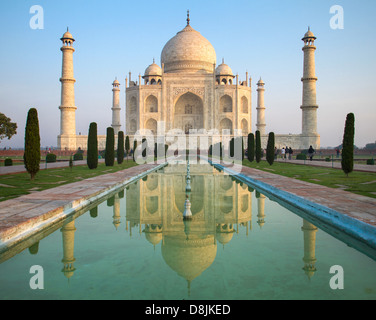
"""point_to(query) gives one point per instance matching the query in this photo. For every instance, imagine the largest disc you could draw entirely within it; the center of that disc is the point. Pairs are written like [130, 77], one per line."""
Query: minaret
[309, 106]
[261, 210]
[260, 107]
[309, 258]
[116, 107]
[68, 231]
[67, 137]
[116, 217]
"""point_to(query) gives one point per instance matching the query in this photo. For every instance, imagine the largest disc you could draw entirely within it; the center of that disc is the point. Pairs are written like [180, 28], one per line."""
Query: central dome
[189, 52]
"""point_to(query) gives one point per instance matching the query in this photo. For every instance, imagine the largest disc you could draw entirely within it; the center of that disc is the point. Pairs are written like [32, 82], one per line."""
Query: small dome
[260, 82]
[153, 70]
[116, 82]
[223, 70]
[153, 237]
[67, 35]
[224, 237]
[309, 34]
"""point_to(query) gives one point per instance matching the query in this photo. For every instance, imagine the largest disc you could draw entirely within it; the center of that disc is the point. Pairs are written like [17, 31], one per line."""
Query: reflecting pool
[239, 244]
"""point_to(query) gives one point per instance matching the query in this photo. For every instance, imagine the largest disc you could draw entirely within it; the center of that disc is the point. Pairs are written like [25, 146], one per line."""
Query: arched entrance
[225, 124]
[189, 113]
[151, 104]
[151, 125]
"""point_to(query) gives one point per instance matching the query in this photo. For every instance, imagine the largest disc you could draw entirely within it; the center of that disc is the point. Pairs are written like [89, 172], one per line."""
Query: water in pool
[135, 245]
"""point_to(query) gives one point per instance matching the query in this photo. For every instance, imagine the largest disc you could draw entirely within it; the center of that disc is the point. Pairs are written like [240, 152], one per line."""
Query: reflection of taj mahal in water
[189, 93]
[154, 208]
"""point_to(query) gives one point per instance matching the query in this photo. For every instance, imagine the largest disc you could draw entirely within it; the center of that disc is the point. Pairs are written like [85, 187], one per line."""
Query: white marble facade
[188, 93]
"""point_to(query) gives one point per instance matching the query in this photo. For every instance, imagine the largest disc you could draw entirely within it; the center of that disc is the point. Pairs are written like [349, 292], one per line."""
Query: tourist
[283, 153]
[290, 153]
[311, 152]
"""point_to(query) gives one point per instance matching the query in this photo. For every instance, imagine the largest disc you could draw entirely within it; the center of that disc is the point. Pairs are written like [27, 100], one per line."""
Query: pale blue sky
[261, 37]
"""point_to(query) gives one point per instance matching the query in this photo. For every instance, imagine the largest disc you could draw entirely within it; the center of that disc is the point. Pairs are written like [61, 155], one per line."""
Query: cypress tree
[92, 147]
[232, 147]
[32, 143]
[120, 148]
[71, 162]
[127, 146]
[270, 149]
[144, 146]
[110, 147]
[348, 145]
[134, 149]
[258, 146]
[165, 150]
[251, 147]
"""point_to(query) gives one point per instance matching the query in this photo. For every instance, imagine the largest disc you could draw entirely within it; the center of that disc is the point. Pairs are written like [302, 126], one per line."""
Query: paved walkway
[24, 213]
[335, 164]
[60, 164]
[356, 206]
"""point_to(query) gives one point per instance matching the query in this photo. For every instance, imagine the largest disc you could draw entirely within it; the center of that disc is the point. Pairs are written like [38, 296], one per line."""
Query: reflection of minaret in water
[261, 210]
[68, 249]
[309, 258]
[116, 216]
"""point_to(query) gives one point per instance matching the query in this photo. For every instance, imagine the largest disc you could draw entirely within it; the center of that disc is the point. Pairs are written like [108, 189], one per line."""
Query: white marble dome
[188, 51]
[223, 70]
[153, 70]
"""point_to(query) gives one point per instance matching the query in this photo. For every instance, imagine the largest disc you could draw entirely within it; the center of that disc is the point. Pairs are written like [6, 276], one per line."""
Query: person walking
[283, 152]
[311, 152]
[290, 153]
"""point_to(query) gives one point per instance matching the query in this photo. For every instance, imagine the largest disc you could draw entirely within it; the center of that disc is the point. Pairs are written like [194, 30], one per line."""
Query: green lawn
[362, 183]
[15, 185]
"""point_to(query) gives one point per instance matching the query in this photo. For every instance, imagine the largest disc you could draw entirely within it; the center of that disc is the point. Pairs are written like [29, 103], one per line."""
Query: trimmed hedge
[371, 162]
[50, 157]
[78, 156]
[8, 162]
[301, 156]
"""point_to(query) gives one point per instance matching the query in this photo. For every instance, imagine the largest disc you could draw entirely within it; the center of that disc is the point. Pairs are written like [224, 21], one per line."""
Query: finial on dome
[309, 28]
[153, 60]
[223, 60]
[188, 18]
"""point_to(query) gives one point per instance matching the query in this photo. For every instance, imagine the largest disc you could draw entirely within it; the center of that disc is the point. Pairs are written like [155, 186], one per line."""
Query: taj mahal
[190, 94]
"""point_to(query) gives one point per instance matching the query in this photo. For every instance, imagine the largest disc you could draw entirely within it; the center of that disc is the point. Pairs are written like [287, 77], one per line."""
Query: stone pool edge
[18, 233]
[357, 229]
